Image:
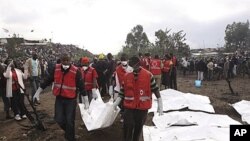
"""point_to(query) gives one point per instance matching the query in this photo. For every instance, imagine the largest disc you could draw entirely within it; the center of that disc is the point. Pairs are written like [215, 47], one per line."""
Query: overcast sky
[101, 26]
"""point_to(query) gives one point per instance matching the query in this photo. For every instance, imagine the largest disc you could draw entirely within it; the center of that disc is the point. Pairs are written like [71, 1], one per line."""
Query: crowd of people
[130, 82]
[216, 68]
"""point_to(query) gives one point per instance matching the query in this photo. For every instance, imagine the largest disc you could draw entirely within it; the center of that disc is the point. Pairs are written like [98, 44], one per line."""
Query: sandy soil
[218, 92]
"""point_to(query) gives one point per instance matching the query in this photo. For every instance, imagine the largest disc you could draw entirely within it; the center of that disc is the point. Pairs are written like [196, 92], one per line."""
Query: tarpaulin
[186, 118]
[99, 115]
[243, 108]
[176, 100]
[187, 133]
[189, 126]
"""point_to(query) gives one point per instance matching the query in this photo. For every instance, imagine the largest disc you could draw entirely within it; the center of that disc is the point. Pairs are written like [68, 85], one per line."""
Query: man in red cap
[89, 76]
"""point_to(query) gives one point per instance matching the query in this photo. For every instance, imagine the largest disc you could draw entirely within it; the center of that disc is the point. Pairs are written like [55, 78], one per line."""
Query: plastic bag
[197, 83]
[99, 115]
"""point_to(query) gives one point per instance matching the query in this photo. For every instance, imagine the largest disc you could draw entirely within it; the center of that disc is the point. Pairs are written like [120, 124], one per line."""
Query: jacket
[167, 65]
[120, 73]
[88, 77]
[28, 64]
[137, 93]
[119, 77]
[20, 77]
[64, 83]
[210, 66]
[155, 66]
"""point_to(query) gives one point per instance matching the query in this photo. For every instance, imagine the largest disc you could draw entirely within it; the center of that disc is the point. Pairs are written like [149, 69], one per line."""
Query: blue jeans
[34, 83]
[65, 111]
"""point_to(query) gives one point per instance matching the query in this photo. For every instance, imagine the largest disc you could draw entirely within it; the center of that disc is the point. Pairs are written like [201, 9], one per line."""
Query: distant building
[24, 42]
[207, 52]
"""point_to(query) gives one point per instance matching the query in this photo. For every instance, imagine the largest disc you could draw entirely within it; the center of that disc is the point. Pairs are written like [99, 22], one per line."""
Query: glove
[117, 102]
[94, 93]
[85, 100]
[160, 106]
[111, 90]
[37, 94]
[115, 95]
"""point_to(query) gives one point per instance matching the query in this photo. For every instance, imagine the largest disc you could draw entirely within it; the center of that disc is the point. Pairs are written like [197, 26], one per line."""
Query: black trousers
[165, 79]
[133, 123]
[65, 111]
[6, 100]
[17, 103]
[102, 83]
[173, 81]
[89, 93]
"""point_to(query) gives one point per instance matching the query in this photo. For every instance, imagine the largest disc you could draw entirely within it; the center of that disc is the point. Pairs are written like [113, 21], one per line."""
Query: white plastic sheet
[243, 108]
[176, 100]
[99, 115]
[189, 133]
[199, 102]
[187, 125]
[190, 118]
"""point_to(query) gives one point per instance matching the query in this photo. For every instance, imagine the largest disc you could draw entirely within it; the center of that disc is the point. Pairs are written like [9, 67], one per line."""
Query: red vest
[120, 74]
[137, 93]
[145, 63]
[142, 63]
[167, 65]
[65, 84]
[155, 66]
[88, 77]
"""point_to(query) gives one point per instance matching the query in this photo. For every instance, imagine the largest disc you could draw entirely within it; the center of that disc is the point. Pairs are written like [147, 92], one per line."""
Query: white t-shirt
[34, 65]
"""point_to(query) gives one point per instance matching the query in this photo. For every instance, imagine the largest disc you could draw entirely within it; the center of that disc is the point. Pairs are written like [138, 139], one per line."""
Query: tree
[183, 50]
[174, 42]
[237, 36]
[179, 46]
[248, 40]
[163, 41]
[12, 44]
[137, 40]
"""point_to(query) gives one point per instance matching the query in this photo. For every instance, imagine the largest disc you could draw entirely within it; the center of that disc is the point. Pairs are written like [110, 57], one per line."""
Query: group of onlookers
[214, 68]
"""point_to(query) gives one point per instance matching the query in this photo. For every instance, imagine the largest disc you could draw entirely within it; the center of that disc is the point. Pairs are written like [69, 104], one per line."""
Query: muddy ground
[217, 91]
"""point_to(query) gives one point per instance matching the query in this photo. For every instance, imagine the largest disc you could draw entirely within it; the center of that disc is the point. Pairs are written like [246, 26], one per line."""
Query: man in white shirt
[210, 67]
[34, 72]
